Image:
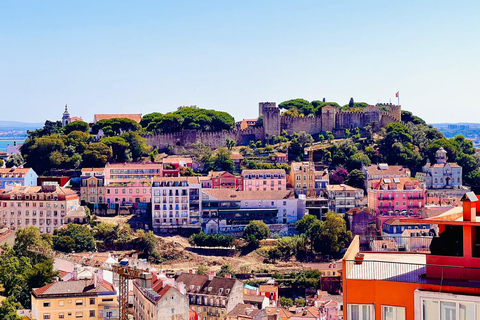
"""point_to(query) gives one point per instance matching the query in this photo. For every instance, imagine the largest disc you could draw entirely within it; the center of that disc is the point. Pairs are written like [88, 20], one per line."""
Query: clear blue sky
[145, 56]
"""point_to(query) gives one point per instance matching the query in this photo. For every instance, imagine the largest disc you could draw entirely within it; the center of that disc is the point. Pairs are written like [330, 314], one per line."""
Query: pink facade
[128, 192]
[261, 180]
[394, 196]
[126, 172]
[225, 180]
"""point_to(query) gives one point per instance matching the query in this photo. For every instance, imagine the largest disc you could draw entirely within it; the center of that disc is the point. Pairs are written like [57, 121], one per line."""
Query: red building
[225, 180]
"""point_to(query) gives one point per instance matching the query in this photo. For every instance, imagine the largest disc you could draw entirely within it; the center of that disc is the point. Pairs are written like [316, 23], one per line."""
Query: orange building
[443, 283]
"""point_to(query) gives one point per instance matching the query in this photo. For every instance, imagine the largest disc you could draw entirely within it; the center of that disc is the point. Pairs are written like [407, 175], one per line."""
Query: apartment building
[228, 211]
[383, 170]
[153, 299]
[17, 176]
[262, 180]
[225, 180]
[75, 299]
[130, 171]
[209, 296]
[176, 201]
[42, 206]
[440, 283]
[342, 197]
[303, 177]
[92, 189]
[398, 195]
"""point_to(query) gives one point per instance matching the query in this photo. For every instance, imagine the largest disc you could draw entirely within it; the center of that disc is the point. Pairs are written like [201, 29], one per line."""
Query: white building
[342, 197]
[176, 201]
[443, 174]
[228, 211]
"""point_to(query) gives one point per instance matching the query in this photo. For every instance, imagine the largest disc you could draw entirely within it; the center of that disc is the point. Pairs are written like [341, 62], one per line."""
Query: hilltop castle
[331, 119]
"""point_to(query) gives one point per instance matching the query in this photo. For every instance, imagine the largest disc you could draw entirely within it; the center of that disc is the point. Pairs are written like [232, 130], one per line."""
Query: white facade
[176, 201]
[443, 174]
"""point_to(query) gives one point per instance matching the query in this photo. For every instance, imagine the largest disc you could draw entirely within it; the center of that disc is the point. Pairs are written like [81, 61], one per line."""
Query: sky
[154, 56]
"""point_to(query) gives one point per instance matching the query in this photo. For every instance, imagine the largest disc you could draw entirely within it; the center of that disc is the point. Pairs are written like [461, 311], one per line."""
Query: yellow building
[77, 299]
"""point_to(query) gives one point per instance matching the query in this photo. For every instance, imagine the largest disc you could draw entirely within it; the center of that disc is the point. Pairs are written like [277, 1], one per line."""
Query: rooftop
[384, 169]
[135, 117]
[234, 195]
[75, 287]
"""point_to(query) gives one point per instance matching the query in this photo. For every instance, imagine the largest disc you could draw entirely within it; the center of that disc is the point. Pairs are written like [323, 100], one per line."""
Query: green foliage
[81, 235]
[115, 126]
[295, 246]
[64, 244]
[13, 160]
[207, 240]
[297, 107]
[356, 161]
[96, 155]
[147, 243]
[31, 236]
[202, 270]
[255, 231]
[76, 126]
[226, 268]
[219, 162]
[8, 309]
[300, 302]
[298, 143]
[407, 116]
[230, 144]
[356, 179]
[274, 254]
[188, 118]
[304, 224]
[286, 302]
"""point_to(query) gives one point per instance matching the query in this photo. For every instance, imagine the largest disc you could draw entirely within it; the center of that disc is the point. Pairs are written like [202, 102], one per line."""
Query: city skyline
[118, 57]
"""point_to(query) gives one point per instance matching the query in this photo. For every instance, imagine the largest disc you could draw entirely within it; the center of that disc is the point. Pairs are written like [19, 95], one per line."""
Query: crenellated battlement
[331, 119]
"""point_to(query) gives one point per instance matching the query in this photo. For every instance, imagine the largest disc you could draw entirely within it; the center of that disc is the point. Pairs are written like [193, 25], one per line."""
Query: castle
[331, 119]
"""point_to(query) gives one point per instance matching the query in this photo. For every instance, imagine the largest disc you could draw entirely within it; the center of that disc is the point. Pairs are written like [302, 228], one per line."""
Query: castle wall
[311, 125]
[331, 119]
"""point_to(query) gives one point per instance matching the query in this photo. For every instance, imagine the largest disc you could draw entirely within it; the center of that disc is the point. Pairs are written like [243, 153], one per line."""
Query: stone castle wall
[331, 119]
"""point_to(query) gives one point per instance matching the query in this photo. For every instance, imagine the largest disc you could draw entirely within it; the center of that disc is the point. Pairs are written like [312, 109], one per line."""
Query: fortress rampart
[331, 119]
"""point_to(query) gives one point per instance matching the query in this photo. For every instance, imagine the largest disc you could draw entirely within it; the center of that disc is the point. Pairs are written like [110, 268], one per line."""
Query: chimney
[95, 279]
[182, 288]
[211, 275]
[228, 275]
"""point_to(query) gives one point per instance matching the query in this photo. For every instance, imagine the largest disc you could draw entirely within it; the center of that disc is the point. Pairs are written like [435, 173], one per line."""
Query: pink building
[272, 179]
[396, 196]
[225, 180]
[130, 182]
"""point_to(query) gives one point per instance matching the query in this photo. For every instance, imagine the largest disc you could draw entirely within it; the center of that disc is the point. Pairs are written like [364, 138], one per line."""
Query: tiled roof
[210, 287]
[268, 288]
[308, 312]
[135, 117]
[280, 312]
[253, 298]
[74, 287]
[230, 194]
[171, 159]
[236, 156]
[389, 171]
[243, 310]
[219, 174]
[14, 172]
[399, 183]
[262, 171]
[341, 187]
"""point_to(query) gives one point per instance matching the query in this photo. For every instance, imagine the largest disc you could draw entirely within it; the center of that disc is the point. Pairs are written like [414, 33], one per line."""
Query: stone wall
[311, 125]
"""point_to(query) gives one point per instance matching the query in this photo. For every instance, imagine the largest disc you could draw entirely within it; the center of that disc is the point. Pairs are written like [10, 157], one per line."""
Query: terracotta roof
[236, 156]
[357, 211]
[135, 117]
[399, 222]
[389, 171]
[308, 312]
[399, 183]
[281, 313]
[11, 172]
[74, 287]
[280, 154]
[268, 288]
[243, 310]
[92, 169]
[210, 287]
[73, 119]
[253, 298]
[230, 194]
[339, 187]
[133, 164]
[173, 159]
[219, 174]
[262, 171]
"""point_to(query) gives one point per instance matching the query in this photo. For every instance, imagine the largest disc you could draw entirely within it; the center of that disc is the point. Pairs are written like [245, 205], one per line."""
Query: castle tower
[65, 117]
[441, 156]
[329, 116]
[271, 117]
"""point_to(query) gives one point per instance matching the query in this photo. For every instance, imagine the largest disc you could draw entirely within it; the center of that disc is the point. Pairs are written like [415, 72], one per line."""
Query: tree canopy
[188, 118]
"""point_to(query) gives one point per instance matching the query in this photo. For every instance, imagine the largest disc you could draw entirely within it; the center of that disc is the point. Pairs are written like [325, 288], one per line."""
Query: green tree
[76, 126]
[8, 309]
[356, 161]
[330, 136]
[304, 224]
[96, 155]
[14, 160]
[226, 269]
[300, 302]
[119, 147]
[302, 106]
[30, 236]
[136, 144]
[12, 275]
[64, 244]
[286, 302]
[255, 231]
[351, 103]
[82, 236]
[147, 243]
[221, 161]
[356, 179]
[115, 126]
[230, 144]
[202, 270]
[332, 234]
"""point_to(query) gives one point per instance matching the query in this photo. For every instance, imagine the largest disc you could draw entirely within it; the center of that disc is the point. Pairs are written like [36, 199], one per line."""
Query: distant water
[4, 143]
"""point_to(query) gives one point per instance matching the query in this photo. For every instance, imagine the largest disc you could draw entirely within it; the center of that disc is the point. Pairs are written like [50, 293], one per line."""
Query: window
[92, 313]
[393, 313]
[78, 302]
[92, 300]
[360, 311]
[61, 315]
[61, 303]
[46, 304]
[79, 315]
[46, 316]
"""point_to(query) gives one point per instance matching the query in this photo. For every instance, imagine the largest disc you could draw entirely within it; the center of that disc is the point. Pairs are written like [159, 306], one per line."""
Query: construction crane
[124, 272]
[311, 169]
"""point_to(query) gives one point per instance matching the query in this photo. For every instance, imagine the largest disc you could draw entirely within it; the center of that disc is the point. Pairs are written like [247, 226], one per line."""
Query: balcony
[396, 243]
[411, 272]
[416, 197]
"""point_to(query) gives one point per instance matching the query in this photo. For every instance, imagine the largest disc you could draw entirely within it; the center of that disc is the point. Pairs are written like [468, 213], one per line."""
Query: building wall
[68, 304]
[384, 201]
[172, 306]
[136, 191]
[264, 180]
